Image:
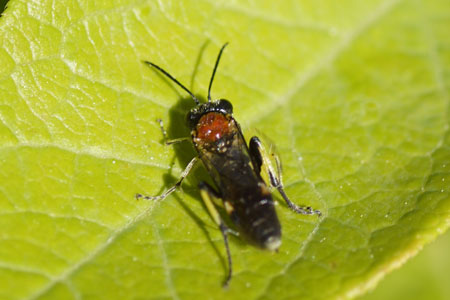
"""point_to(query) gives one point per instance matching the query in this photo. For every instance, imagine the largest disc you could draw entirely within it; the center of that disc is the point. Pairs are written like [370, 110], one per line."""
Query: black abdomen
[254, 214]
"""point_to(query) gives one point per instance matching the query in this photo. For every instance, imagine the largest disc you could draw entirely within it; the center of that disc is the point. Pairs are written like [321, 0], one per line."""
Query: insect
[237, 170]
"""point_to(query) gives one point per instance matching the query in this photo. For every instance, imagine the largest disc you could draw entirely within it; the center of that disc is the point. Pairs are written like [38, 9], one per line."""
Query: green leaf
[355, 94]
[421, 278]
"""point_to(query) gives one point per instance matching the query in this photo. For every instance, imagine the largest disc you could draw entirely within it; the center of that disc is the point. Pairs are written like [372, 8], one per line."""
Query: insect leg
[210, 196]
[260, 159]
[175, 186]
[214, 195]
[173, 141]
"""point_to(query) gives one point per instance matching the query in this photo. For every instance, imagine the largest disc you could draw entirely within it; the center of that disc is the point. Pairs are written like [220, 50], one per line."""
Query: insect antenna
[174, 80]
[214, 71]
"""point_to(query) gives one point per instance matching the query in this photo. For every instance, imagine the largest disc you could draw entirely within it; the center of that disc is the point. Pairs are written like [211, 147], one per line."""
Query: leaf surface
[354, 94]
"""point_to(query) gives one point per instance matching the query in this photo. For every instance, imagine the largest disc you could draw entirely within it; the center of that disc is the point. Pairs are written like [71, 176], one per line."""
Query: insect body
[237, 171]
[222, 148]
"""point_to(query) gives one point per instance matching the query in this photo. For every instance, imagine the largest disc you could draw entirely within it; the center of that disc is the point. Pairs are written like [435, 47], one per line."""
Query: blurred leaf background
[423, 277]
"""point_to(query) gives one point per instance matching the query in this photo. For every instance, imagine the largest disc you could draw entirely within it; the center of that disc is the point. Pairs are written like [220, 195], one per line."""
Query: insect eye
[225, 106]
[192, 119]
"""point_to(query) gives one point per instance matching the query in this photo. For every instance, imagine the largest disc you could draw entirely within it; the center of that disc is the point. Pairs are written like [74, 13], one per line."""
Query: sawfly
[237, 169]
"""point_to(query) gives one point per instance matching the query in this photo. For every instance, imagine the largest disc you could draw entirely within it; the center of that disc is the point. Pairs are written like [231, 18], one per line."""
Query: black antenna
[214, 71]
[174, 80]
